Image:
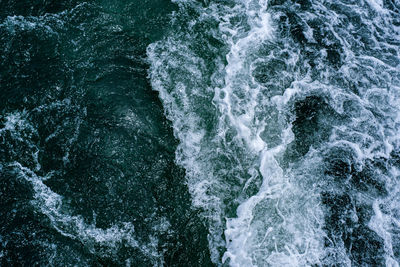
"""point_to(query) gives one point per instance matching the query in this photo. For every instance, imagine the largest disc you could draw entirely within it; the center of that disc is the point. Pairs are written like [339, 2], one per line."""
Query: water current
[200, 133]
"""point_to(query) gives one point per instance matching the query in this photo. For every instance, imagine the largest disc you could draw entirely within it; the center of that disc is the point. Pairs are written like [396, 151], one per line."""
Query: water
[87, 158]
[200, 133]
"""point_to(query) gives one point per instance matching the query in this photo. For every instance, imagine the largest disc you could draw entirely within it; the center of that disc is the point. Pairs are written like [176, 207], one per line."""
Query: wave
[287, 115]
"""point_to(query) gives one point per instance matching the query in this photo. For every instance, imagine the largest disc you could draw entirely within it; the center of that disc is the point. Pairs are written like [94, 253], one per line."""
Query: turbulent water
[200, 133]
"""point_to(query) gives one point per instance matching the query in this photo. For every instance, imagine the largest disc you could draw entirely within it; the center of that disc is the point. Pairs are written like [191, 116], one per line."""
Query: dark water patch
[370, 179]
[28, 55]
[348, 215]
[34, 8]
[346, 224]
[312, 125]
[93, 125]
[317, 41]
[274, 75]
[342, 165]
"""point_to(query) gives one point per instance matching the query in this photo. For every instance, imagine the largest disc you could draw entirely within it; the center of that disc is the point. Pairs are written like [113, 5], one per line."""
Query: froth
[280, 126]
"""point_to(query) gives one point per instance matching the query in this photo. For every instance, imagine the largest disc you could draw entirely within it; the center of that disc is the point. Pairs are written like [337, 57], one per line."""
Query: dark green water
[77, 110]
[200, 133]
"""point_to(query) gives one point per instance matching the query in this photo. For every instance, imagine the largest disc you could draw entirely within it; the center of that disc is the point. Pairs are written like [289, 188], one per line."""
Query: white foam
[178, 106]
[377, 5]
[281, 224]
[237, 103]
[250, 239]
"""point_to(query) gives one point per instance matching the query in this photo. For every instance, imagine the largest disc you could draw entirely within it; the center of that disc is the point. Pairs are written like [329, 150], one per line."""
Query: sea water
[200, 133]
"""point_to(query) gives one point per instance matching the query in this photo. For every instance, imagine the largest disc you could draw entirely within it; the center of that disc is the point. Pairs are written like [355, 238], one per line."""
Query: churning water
[200, 133]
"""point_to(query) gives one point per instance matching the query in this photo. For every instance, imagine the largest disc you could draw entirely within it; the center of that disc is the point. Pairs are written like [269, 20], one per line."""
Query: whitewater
[200, 133]
[287, 116]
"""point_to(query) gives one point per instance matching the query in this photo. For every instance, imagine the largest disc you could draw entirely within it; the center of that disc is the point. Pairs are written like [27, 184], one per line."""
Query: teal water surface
[200, 133]
[87, 158]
